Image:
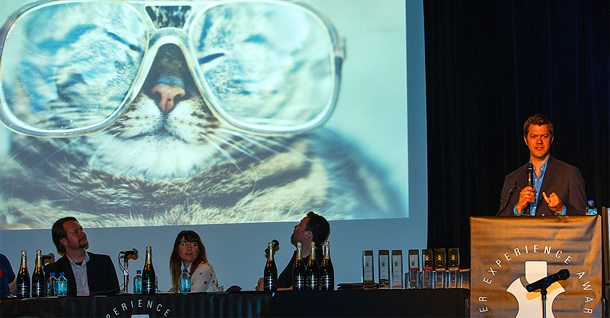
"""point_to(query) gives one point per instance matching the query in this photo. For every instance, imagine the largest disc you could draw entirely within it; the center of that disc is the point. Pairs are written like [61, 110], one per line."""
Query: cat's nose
[167, 96]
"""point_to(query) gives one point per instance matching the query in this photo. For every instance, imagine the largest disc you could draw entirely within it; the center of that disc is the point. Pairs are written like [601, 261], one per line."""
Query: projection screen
[252, 134]
[276, 110]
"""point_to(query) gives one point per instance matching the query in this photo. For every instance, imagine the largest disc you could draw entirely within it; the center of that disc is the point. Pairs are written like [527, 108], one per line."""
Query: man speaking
[544, 185]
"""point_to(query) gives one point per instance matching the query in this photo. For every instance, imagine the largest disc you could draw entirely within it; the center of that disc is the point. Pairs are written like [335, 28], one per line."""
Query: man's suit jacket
[101, 274]
[563, 179]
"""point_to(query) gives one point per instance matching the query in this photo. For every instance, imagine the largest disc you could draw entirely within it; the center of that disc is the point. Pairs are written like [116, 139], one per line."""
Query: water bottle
[185, 282]
[591, 209]
[52, 285]
[137, 282]
[62, 285]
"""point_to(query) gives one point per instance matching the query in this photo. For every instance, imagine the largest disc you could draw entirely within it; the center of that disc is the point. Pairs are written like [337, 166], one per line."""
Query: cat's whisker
[261, 140]
[63, 147]
[17, 152]
[254, 140]
[99, 149]
[233, 143]
[222, 151]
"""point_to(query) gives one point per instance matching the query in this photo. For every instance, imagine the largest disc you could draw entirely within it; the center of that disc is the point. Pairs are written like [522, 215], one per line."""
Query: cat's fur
[183, 166]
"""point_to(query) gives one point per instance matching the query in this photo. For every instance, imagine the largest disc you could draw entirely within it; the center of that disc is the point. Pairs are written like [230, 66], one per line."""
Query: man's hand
[554, 202]
[259, 286]
[526, 196]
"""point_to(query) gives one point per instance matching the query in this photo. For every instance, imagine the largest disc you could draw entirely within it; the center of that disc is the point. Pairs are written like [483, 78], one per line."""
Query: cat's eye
[69, 68]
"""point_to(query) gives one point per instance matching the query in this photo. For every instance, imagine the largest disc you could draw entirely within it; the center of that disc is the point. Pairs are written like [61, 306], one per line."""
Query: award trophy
[440, 265]
[453, 277]
[384, 269]
[412, 277]
[397, 269]
[427, 277]
[465, 278]
[368, 274]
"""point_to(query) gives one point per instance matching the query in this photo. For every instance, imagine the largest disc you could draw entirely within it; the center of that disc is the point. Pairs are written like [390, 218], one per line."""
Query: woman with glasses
[189, 253]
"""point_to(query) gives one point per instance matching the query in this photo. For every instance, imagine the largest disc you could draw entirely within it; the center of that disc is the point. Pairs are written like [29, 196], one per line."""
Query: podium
[509, 253]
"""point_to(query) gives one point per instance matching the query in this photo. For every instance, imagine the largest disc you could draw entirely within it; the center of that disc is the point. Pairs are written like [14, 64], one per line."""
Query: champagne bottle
[270, 273]
[23, 278]
[298, 271]
[327, 272]
[148, 274]
[312, 274]
[38, 281]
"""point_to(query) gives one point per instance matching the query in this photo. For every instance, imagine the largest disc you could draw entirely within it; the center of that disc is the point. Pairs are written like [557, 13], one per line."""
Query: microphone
[530, 174]
[547, 281]
[49, 256]
[132, 251]
[510, 194]
[276, 246]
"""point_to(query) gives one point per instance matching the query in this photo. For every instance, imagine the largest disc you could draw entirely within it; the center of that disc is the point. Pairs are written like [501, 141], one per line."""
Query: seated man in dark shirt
[314, 228]
[87, 273]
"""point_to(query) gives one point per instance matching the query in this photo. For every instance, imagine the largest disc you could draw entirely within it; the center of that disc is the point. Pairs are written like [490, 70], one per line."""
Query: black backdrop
[489, 66]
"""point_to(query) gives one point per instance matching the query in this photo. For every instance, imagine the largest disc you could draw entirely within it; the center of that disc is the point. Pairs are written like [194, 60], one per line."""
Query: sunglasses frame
[180, 37]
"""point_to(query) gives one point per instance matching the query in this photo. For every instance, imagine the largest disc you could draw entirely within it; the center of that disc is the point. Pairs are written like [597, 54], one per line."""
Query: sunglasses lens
[267, 66]
[70, 65]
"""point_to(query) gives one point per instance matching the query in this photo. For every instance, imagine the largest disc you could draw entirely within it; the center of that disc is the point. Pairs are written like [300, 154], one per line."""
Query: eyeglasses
[69, 68]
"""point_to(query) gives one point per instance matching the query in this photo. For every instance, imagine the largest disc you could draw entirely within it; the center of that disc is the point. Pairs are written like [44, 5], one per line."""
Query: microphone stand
[543, 293]
[126, 273]
[510, 194]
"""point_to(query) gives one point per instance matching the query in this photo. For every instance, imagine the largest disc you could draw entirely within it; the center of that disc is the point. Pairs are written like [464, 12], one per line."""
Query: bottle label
[22, 290]
[137, 286]
[269, 283]
[38, 290]
[148, 286]
[62, 288]
[52, 287]
[298, 282]
[326, 282]
[312, 282]
[185, 285]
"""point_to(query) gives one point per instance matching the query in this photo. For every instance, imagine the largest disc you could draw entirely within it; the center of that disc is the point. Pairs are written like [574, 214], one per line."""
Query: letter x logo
[530, 303]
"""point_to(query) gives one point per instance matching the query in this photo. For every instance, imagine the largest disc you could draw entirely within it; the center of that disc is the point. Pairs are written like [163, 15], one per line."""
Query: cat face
[155, 140]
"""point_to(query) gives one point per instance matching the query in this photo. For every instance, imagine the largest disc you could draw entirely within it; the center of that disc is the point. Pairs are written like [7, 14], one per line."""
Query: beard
[84, 243]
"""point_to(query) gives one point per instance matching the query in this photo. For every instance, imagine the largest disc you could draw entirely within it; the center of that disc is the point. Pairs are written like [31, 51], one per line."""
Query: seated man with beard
[88, 274]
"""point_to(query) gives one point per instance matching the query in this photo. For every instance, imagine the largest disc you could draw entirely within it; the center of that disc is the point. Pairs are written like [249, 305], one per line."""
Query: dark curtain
[489, 66]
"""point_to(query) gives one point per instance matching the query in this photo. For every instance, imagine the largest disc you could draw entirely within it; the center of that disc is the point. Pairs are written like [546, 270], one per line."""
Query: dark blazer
[101, 274]
[563, 179]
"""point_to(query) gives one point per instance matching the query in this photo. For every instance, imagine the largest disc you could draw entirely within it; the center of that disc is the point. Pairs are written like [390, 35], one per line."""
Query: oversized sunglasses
[69, 68]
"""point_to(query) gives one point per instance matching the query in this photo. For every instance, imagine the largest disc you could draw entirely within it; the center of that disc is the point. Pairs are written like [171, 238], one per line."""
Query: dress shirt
[80, 275]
